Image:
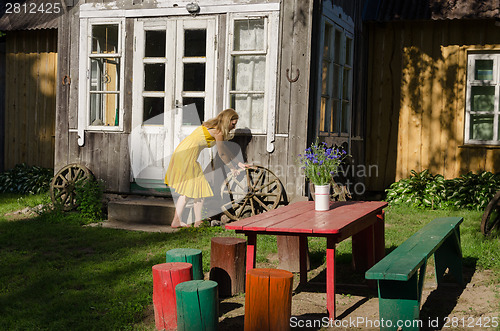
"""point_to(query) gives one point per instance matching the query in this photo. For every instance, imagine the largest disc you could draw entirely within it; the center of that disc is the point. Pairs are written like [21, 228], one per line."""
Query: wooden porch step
[141, 210]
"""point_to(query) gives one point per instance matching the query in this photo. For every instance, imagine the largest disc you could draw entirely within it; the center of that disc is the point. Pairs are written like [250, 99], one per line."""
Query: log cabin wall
[416, 93]
[107, 154]
[30, 97]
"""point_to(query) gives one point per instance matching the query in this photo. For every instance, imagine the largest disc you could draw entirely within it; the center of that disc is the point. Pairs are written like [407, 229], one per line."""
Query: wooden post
[197, 305]
[289, 253]
[227, 264]
[189, 255]
[165, 277]
[268, 299]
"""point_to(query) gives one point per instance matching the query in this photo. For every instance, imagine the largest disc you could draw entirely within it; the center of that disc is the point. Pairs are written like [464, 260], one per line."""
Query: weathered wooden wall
[107, 154]
[416, 98]
[30, 97]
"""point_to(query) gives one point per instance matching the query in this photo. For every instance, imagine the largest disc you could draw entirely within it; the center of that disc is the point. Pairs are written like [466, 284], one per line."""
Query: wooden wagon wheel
[491, 216]
[254, 191]
[62, 187]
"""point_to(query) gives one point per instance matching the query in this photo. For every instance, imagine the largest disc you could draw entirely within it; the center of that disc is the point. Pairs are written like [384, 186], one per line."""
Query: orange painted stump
[268, 299]
[227, 264]
[165, 277]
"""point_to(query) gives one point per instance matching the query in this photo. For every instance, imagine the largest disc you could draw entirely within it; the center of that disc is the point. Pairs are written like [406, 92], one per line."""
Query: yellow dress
[184, 173]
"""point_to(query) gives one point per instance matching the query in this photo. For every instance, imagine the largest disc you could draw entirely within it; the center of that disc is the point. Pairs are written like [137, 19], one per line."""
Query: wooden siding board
[62, 135]
[299, 106]
[284, 62]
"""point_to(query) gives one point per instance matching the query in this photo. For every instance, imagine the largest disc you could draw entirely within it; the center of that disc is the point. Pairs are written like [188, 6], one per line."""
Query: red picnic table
[361, 220]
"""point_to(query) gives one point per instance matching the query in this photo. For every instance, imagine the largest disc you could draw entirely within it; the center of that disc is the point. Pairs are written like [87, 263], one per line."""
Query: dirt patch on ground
[451, 306]
[457, 307]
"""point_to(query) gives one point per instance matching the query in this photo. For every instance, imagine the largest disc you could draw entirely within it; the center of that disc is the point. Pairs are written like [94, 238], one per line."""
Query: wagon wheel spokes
[63, 185]
[490, 221]
[262, 192]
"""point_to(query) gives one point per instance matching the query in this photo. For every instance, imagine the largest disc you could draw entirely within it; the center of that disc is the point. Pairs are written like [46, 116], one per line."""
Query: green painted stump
[189, 255]
[197, 305]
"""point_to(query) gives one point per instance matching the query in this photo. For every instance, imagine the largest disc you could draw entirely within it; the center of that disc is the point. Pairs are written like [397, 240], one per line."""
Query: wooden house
[28, 70]
[288, 67]
[433, 88]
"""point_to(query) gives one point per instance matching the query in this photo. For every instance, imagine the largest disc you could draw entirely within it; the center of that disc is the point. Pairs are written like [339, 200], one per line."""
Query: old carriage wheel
[491, 215]
[62, 187]
[252, 192]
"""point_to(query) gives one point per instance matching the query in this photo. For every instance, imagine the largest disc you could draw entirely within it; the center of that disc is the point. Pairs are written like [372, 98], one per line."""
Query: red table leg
[303, 252]
[330, 276]
[251, 250]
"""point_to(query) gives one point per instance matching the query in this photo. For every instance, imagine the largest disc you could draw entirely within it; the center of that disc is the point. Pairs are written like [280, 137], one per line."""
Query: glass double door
[173, 79]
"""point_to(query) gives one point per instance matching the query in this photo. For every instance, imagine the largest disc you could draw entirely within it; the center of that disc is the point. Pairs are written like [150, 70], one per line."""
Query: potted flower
[320, 164]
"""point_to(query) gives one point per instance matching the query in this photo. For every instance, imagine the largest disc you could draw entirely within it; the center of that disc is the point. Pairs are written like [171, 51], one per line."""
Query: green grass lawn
[56, 274]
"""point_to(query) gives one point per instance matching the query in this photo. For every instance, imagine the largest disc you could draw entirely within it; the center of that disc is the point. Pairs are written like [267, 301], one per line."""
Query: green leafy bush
[89, 194]
[473, 191]
[26, 179]
[424, 190]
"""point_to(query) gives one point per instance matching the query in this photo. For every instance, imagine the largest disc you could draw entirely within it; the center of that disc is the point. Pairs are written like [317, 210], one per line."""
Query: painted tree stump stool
[268, 299]
[189, 255]
[165, 277]
[227, 264]
[197, 306]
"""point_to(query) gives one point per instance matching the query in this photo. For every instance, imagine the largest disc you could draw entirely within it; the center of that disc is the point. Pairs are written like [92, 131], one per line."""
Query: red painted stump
[227, 264]
[165, 277]
[268, 299]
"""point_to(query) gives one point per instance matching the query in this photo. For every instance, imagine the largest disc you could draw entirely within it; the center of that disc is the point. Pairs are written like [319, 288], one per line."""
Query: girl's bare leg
[198, 206]
[179, 208]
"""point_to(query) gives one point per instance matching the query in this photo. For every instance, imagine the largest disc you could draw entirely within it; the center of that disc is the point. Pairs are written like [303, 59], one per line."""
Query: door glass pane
[481, 127]
[324, 79]
[337, 83]
[337, 49]
[346, 89]
[193, 111]
[104, 109]
[104, 74]
[344, 128]
[348, 51]
[482, 98]
[195, 43]
[250, 108]
[153, 111]
[105, 38]
[249, 73]
[249, 35]
[483, 70]
[322, 117]
[328, 41]
[154, 77]
[335, 116]
[155, 43]
[194, 77]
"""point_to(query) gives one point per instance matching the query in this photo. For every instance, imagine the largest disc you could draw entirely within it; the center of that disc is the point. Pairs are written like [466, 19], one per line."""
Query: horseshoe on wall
[292, 80]
[66, 80]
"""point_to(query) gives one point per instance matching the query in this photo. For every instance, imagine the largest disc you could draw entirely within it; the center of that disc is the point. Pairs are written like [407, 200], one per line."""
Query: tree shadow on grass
[60, 275]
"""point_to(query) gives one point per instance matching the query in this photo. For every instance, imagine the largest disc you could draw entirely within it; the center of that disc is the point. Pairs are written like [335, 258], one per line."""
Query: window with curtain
[249, 59]
[483, 98]
[336, 81]
[104, 75]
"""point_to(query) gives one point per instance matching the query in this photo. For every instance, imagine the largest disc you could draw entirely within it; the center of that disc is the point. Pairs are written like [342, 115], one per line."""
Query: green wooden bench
[399, 283]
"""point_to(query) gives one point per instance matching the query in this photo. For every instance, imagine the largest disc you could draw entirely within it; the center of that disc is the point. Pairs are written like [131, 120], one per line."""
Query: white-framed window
[101, 72]
[251, 70]
[335, 81]
[482, 113]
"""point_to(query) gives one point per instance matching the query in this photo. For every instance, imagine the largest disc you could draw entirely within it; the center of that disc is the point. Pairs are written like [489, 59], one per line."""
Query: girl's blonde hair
[222, 122]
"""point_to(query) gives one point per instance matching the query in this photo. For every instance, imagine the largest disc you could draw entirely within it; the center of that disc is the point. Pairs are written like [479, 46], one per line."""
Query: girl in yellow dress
[184, 173]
